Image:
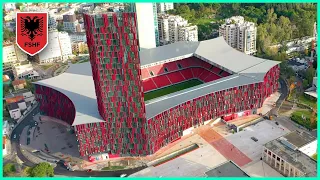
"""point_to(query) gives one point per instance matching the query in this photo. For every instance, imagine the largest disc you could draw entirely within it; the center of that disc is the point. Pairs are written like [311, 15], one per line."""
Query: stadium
[132, 103]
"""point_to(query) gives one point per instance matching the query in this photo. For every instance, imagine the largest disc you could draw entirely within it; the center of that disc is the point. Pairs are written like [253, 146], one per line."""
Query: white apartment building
[75, 37]
[175, 28]
[59, 48]
[12, 56]
[240, 34]
[52, 24]
[9, 6]
[163, 7]
[146, 20]
[188, 33]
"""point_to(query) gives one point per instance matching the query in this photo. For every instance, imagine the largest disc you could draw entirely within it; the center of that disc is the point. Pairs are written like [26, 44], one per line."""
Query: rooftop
[298, 139]
[18, 82]
[293, 156]
[227, 169]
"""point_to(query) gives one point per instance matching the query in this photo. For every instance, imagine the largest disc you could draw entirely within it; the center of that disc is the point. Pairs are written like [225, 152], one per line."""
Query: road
[15, 141]
[284, 93]
[283, 120]
[59, 169]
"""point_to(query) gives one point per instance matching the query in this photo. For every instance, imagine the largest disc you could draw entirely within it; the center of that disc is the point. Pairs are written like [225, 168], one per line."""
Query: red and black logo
[32, 31]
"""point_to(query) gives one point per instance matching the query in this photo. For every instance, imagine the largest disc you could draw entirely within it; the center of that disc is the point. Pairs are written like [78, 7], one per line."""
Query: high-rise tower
[115, 63]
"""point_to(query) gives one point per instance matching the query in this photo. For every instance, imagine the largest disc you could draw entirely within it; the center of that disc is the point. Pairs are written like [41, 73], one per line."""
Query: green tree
[305, 84]
[42, 170]
[310, 73]
[18, 5]
[60, 27]
[30, 86]
[7, 34]
[9, 169]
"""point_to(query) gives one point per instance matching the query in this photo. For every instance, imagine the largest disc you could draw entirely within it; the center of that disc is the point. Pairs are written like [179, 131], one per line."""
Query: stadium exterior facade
[104, 101]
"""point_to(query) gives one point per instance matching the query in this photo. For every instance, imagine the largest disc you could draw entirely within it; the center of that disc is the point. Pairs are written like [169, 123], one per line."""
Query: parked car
[254, 139]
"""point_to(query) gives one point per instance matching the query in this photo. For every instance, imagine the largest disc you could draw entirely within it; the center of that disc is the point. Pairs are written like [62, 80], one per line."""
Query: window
[151, 73]
[179, 66]
[166, 69]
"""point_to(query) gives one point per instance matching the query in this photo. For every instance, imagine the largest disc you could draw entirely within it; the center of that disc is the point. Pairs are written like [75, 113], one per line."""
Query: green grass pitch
[171, 89]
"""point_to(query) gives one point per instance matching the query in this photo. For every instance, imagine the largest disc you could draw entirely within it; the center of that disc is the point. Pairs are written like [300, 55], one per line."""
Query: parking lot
[264, 132]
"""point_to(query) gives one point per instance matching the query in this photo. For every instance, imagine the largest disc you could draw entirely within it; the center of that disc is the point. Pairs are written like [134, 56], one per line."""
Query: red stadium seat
[175, 77]
[187, 73]
[148, 85]
[161, 81]
[145, 73]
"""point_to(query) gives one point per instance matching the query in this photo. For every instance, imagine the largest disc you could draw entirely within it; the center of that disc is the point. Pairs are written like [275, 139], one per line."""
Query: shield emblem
[32, 31]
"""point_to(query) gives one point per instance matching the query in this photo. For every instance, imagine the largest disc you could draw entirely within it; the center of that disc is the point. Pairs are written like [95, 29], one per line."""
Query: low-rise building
[75, 37]
[227, 169]
[79, 47]
[284, 156]
[14, 110]
[19, 84]
[25, 72]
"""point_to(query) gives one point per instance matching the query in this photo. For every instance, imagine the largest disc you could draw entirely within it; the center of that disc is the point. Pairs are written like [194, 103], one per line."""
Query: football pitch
[171, 89]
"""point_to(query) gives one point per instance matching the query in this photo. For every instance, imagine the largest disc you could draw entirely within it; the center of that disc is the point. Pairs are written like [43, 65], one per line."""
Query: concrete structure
[12, 56]
[124, 124]
[227, 169]
[19, 84]
[240, 34]
[78, 37]
[52, 24]
[9, 6]
[70, 23]
[14, 110]
[59, 49]
[310, 149]
[28, 97]
[146, 17]
[25, 72]
[175, 28]
[163, 7]
[79, 47]
[283, 155]
[188, 33]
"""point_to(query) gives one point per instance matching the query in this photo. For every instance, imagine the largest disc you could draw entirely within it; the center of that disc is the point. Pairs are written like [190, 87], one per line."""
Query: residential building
[9, 6]
[81, 36]
[12, 56]
[59, 48]
[28, 97]
[5, 128]
[146, 16]
[52, 24]
[174, 28]
[284, 156]
[25, 72]
[19, 84]
[70, 23]
[240, 34]
[163, 7]
[14, 110]
[188, 33]
[79, 47]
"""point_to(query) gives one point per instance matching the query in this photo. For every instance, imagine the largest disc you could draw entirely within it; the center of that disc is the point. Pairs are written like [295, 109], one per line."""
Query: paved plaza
[192, 164]
[261, 169]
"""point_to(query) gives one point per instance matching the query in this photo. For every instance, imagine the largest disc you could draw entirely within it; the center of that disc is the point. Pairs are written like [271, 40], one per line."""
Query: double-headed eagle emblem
[31, 27]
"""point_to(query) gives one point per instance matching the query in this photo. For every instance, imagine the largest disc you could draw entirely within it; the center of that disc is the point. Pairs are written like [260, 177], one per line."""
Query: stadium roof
[77, 82]
[170, 51]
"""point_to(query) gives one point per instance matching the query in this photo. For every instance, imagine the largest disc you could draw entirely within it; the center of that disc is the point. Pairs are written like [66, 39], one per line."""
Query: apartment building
[240, 34]
[70, 23]
[59, 48]
[175, 28]
[163, 7]
[12, 56]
